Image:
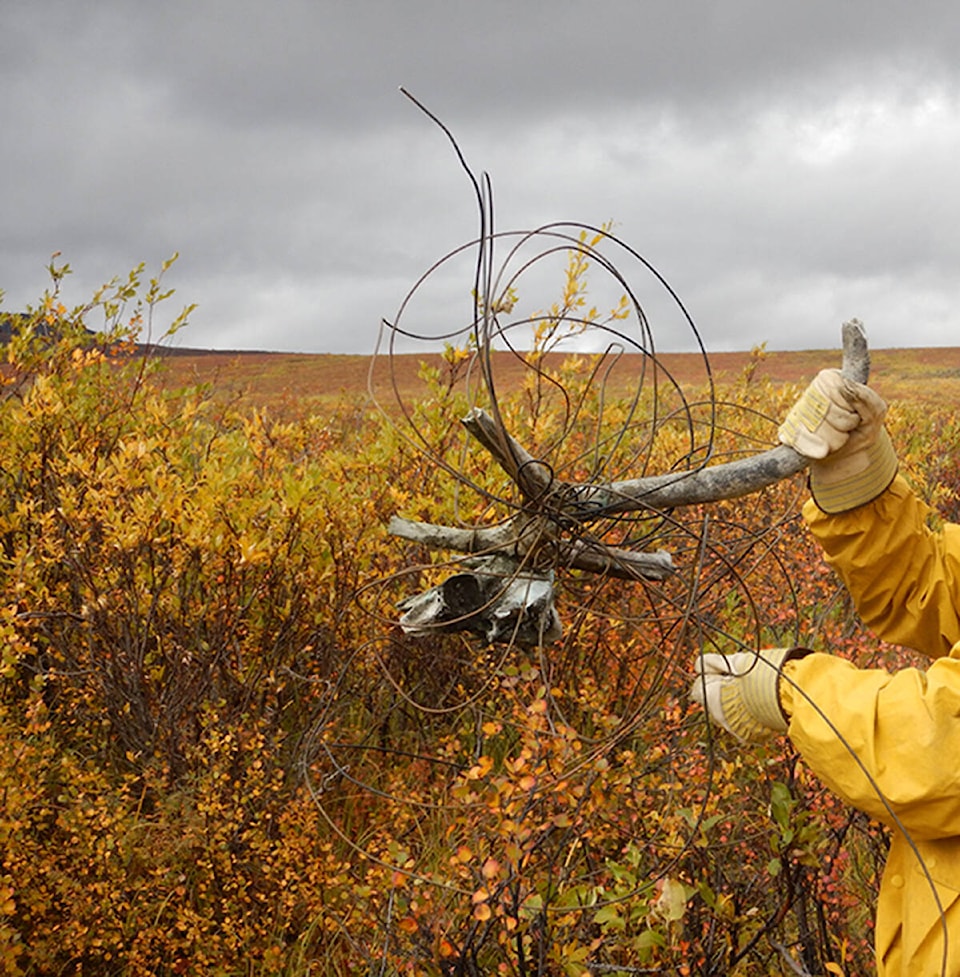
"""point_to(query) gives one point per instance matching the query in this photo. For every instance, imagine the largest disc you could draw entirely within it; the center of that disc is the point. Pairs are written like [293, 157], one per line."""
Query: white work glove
[740, 692]
[838, 425]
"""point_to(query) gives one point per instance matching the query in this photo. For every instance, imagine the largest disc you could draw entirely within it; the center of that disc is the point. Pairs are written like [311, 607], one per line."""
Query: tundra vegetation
[220, 755]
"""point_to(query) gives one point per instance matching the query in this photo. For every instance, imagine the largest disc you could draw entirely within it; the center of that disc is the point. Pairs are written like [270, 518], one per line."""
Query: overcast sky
[783, 165]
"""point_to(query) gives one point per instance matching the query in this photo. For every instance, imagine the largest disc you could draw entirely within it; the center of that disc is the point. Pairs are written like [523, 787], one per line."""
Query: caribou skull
[504, 594]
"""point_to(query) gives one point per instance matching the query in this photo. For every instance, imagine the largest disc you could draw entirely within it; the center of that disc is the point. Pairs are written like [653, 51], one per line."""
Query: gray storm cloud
[784, 166]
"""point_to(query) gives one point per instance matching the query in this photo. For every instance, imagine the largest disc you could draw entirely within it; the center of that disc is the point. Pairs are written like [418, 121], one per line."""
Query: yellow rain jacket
[890, 743]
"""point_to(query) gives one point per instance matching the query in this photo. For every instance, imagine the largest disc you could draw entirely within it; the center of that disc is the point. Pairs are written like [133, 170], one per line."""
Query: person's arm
[886, 743]
[904, 578]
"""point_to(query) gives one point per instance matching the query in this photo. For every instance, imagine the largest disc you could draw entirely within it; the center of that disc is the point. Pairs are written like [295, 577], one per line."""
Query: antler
[584, 502]
[726, 481]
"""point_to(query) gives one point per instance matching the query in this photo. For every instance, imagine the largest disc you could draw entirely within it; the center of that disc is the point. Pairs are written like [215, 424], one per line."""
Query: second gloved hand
[741, 691]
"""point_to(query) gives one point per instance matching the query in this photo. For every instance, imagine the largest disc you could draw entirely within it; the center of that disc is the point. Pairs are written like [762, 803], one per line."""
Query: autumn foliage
[219, 755]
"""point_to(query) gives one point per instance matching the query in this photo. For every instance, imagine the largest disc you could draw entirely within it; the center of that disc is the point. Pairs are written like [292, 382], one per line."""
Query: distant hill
[11, 323]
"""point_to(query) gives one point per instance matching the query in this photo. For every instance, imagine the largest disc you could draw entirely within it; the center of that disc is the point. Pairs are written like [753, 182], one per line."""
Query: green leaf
[610, 918]
[781, 804]
[648, 939]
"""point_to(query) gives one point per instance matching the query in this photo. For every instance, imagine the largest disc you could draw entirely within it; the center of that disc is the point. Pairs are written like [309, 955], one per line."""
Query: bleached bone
[496, 600]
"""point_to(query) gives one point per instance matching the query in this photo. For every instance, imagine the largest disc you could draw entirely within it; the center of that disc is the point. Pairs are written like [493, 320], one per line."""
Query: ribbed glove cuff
[846, 483]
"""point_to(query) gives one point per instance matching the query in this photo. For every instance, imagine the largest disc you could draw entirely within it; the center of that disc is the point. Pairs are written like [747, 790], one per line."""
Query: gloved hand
[741, 691]
[838, 425]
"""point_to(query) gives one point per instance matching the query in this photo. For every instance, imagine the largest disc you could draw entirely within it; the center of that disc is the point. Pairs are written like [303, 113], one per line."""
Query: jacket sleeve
[903, 576]
[887, 743]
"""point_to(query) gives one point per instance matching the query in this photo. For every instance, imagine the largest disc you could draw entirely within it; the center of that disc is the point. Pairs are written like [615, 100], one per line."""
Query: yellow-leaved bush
[175, 582]
[219, 755]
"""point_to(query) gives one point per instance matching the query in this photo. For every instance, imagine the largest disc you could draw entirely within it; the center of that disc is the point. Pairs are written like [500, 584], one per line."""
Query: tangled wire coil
[562, 758]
